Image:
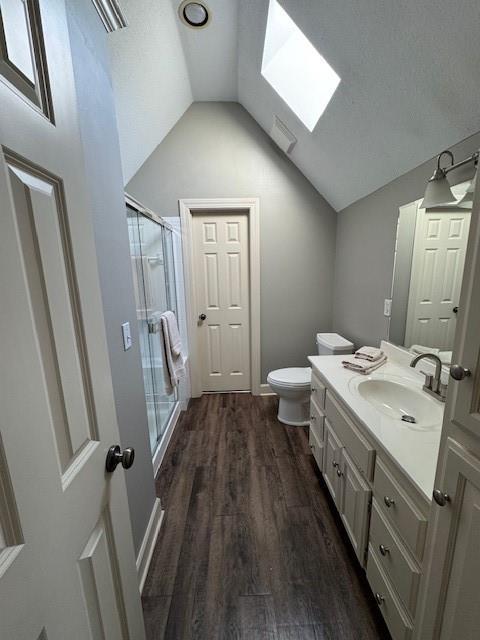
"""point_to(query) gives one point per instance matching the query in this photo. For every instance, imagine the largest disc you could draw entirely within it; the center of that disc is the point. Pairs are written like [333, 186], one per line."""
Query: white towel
[363, 366]
[417, 349]
[372, 354]
[174, 361]
[174, 333]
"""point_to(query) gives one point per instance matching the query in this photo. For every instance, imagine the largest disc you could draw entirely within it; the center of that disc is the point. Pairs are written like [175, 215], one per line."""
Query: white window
[295, 69]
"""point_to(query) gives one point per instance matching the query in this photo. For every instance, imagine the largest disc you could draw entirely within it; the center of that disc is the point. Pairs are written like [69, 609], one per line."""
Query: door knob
[457, 372]
[202, 317]
[116, 456]
[440, 498]
[455, 309]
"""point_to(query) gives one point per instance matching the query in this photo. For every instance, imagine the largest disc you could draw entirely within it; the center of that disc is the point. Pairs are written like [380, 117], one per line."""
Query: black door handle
[116, 456]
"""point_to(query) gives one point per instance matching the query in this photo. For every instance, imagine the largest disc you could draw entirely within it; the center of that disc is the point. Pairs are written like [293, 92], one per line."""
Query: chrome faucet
[433, 383]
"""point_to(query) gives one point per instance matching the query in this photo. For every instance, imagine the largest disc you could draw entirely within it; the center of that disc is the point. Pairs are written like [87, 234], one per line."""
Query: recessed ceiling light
[295, 69]
[194, 14]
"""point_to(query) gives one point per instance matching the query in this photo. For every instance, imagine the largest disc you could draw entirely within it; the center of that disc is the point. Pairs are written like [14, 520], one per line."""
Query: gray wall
[105, 185]
[218, 150]
[365, 250]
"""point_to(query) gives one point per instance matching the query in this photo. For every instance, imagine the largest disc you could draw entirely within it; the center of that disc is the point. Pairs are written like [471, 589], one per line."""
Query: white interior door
[437, 269]
[222, 294]
[449, 606]
[67, 565]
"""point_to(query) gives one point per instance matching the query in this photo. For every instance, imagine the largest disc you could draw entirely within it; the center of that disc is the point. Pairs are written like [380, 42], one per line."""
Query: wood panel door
[449, 599]
[222, 293]
[437, 269]
[455, 546]
[67, 566]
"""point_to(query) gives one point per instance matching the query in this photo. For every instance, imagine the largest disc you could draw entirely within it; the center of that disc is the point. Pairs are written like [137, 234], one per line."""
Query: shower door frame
[162, 443]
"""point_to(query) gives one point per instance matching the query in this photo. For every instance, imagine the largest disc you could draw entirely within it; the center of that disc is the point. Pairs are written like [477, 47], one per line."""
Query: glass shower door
[153, 273]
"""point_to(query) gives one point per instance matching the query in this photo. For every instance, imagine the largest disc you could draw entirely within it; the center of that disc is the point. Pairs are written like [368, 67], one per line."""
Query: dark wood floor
[250, 546]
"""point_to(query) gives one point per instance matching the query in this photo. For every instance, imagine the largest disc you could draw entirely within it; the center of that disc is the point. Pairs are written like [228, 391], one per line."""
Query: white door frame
[250, 206]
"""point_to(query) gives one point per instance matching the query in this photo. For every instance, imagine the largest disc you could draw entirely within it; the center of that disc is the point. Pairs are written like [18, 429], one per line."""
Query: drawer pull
[334, 464]
[384, 550]
[339, 473]
[379, 598]
[389, 501]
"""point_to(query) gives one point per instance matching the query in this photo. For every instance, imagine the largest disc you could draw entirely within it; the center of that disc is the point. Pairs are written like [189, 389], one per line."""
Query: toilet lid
[292, 376]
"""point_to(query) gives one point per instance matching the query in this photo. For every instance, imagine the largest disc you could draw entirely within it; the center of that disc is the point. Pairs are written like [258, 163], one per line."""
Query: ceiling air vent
[282, 135]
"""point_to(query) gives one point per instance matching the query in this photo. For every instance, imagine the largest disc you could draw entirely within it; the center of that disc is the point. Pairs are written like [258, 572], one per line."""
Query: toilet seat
[291, 377]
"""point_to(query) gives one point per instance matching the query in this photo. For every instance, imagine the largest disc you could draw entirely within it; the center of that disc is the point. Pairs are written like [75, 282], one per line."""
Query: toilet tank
[330, 344]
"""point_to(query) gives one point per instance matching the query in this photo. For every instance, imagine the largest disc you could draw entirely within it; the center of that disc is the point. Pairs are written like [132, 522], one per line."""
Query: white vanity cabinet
[383, 514]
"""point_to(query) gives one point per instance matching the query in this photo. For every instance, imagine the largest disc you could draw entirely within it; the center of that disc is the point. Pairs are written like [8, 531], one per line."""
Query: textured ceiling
[410, 86]
[409, 68]
[150, 79]
[211, 53]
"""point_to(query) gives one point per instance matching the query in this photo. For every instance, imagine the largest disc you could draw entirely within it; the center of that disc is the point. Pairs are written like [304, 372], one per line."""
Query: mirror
[427, 276]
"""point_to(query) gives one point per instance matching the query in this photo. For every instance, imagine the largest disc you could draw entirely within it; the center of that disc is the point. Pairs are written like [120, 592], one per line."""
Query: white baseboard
[265, 390]
[162, 447]
[148, 543]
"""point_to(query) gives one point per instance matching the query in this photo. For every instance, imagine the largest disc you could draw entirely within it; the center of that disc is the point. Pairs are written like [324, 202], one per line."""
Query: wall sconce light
[438, 190]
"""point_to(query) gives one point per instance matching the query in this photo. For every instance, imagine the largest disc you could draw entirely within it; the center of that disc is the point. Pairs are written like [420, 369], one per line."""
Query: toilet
[292, 384]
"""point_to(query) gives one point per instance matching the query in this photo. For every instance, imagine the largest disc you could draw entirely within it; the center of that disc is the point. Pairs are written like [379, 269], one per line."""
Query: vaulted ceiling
[410, 81]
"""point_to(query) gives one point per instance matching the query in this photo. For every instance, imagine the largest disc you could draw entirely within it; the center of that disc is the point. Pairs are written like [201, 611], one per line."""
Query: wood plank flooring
[250, 547]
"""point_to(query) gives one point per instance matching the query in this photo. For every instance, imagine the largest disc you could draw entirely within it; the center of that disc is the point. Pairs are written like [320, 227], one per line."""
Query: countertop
[415, 450]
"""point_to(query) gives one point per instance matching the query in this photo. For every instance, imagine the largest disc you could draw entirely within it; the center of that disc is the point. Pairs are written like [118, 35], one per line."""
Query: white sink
[397, 399]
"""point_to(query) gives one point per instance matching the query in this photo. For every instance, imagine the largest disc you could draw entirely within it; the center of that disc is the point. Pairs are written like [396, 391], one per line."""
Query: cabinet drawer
[398, 622]
[357, 446]
[317, 419]
[409, 522]
[317, 449]
[318, 391]
[394, 559]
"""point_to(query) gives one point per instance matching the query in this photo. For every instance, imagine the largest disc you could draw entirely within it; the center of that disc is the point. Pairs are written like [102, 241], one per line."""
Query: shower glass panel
[154, 281]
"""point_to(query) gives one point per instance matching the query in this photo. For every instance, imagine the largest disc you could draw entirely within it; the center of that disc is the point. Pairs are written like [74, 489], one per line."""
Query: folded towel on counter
[363, 366]
[372, 354]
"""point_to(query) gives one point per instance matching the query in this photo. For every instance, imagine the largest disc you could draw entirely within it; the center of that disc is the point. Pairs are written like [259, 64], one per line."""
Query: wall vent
[282, 135]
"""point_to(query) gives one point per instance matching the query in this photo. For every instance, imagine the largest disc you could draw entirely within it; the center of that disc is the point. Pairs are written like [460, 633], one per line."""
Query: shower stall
[151, 250]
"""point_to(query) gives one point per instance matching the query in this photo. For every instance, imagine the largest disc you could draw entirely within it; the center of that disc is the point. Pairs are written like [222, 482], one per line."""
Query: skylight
[295, 69]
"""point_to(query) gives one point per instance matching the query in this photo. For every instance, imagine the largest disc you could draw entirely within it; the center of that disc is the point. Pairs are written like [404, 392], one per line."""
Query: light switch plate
[387, 307]
[127, 336]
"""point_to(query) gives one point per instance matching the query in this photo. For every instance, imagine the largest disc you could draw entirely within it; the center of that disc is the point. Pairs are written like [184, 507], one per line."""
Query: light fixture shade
[467, 201]
[437, 193]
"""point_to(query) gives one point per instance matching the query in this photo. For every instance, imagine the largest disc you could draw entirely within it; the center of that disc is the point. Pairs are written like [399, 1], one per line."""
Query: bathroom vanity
[376, 440]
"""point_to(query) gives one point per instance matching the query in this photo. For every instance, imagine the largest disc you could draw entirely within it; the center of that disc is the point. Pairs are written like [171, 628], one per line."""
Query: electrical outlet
[387, 307]
[127, 336]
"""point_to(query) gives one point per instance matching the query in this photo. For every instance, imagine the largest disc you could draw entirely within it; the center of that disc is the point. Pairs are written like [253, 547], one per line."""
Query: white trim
[252, 207]
[148, 543]
[110, 14]
[265, 390]
[163, 444]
